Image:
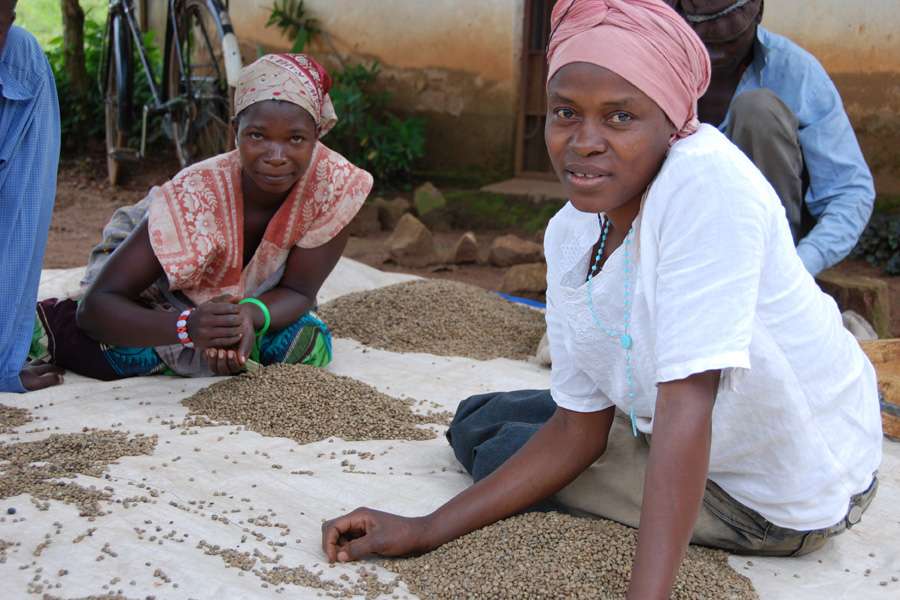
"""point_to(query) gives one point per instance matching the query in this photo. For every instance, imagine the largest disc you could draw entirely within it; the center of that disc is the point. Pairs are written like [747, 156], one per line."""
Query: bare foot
[38, 375]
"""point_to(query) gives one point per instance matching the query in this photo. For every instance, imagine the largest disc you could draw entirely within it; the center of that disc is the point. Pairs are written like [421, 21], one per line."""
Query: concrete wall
[457, 63]
[454, 62]
[858, 42]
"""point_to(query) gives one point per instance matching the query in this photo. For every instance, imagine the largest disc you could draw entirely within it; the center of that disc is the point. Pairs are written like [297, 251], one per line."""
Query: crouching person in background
[221, 265]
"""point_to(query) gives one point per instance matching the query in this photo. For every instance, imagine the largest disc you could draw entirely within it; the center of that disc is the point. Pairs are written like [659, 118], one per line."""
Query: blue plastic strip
[526, 301]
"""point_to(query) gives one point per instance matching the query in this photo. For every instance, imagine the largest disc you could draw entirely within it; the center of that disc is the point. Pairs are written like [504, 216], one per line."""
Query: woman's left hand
[231, 361]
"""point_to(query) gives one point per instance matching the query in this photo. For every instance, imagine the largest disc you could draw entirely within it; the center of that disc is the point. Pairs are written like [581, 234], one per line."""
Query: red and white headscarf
[643, 41]
[294, 78]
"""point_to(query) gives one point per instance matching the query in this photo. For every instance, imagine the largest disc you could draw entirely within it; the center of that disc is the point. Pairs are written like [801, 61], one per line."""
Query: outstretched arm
[564, 447]
[674, 482]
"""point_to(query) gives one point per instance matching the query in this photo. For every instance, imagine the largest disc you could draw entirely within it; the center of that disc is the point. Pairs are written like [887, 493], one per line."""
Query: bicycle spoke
[200, 124]
[209, 48]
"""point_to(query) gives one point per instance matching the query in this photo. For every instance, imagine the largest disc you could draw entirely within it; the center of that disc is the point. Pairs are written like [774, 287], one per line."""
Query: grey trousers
[613, 487]
[766, 130]
[489, 428]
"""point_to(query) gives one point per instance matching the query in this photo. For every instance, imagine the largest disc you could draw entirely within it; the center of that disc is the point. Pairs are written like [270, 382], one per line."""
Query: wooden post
[73, 53]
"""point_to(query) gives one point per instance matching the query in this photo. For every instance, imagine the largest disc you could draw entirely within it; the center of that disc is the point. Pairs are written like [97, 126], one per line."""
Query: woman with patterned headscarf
[219, 268]
[703, 388]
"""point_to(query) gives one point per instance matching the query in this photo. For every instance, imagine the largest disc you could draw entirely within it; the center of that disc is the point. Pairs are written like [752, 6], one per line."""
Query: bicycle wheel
[200, 123]
[117, 96]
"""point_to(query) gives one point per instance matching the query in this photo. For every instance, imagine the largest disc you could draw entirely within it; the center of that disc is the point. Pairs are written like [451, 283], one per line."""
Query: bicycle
[201, 65]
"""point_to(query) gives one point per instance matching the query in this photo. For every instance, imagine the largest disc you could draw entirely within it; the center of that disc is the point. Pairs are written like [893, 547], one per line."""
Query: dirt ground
[85, 202]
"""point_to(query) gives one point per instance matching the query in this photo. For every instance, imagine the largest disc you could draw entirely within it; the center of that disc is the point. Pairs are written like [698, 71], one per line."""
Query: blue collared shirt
[841, 193]
[29, 157]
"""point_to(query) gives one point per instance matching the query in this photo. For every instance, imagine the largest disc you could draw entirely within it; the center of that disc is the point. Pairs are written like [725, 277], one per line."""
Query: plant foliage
[368, 134]
[289, 16]
[89, 118]
[879, 244]
[86, 118]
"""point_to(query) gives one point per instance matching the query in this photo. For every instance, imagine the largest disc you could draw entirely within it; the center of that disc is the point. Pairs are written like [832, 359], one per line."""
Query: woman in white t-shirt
[676, 306]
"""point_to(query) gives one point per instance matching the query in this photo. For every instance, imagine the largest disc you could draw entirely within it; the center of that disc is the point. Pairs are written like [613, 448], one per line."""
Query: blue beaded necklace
[623, 337]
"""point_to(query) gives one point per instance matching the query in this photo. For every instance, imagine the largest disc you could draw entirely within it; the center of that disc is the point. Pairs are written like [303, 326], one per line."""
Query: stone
[508, 250]
[428, 198]
[465, 250]
[530, 278]
[411, 243]
[366, 221]
[868, 296]
[390, 211]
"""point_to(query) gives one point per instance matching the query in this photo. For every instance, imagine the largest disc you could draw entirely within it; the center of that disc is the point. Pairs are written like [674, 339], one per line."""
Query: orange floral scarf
[196, 223]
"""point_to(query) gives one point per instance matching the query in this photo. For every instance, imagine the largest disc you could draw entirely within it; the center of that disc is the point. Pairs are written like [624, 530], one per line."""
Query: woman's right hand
[366, 532]
[216, 323]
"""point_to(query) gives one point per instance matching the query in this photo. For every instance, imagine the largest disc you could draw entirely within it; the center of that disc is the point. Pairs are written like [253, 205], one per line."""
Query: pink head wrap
[294, 78]
[643, 41]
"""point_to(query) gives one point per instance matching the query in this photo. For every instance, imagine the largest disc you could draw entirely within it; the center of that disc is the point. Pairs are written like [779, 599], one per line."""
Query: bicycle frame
[226, 31]
[126, 8]
[162, 104]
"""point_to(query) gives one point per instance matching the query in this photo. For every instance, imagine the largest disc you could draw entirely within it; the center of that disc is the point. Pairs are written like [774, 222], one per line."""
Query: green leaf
[300, 40]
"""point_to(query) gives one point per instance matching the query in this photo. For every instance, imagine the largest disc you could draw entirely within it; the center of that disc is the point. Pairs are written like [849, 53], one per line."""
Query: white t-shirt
[796, 428]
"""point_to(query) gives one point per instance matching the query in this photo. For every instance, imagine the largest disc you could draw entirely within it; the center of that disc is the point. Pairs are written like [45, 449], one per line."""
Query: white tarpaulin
[207, 483]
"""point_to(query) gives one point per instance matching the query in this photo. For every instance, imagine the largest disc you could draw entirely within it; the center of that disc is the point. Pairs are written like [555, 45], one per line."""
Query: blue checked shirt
[29, 157]
[841, 193]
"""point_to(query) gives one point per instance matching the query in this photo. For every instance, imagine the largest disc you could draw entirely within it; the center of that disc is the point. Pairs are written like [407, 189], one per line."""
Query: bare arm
[674, 482]
[304, 273]
[564, 447]
[110, 312]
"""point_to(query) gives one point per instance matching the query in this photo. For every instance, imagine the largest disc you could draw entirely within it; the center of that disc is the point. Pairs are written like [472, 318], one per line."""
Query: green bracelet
[265, 312]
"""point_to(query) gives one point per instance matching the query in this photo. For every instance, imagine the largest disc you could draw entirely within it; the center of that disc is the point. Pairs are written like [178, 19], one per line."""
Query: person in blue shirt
[29, 157]
[777, 104]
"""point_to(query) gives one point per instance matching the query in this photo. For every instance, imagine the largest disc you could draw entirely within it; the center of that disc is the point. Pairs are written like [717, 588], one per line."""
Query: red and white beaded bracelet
[181, 327]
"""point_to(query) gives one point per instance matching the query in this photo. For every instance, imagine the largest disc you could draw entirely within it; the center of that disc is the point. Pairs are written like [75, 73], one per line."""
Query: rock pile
[391, 211]
[411, 243]
[528, 278]
[366, 221]
[465, 250]
[508, 250]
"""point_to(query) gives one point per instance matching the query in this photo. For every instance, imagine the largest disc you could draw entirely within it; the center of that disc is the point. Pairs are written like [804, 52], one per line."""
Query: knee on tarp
[489, 428]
